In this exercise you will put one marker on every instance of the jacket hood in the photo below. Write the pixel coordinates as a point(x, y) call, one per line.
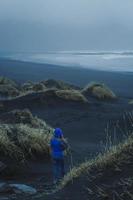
point(58, 133)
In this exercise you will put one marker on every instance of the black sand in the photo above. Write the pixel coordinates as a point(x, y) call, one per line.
point(83, 125)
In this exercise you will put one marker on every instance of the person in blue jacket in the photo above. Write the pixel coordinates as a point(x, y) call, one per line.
point(58, 145)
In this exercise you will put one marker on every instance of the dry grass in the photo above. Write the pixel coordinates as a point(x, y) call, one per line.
point(8, 87)
point(51, 95)
point(113, 158)
point(64, 90)
point(48, 84)
point(23, 116)
point(8, 90)
point(22, 135)
point(71, 95)
point(8, 148)
point(33, 87)
point(6, 81)
point(58, 84)
point(99, 91)
point(21, 141)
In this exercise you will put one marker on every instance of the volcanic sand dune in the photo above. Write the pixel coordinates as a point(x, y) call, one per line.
point(84, 125)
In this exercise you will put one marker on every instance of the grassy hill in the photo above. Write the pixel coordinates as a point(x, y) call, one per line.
point(23, 136)
point(106, 177)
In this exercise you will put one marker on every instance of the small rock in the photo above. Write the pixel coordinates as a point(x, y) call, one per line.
point(4, 198)
point(21, 188)
point(3, 186)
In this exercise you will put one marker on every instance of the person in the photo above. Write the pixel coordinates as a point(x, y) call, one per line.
point(58, 145)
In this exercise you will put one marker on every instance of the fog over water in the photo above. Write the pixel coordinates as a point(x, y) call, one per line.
point(70, 29)
point(51, 25)
point(108, 61)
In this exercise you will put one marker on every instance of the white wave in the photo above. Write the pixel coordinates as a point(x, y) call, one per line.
point(108, 60)
point(117, 56)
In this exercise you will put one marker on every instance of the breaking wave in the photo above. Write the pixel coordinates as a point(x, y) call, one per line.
point(101, 60)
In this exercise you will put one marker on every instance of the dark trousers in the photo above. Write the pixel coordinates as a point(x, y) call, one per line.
point(58, 169)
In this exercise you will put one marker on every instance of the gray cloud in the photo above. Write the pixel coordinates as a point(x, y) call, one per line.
point(40, 25)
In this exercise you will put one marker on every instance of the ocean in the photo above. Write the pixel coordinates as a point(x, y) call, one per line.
point(121, 61)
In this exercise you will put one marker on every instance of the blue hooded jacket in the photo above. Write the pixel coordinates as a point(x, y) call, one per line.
point(57, 145)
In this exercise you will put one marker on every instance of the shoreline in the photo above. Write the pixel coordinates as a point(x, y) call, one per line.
point(21, 72)
point(66, 66)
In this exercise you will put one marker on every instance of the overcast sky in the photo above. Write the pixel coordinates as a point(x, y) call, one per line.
point(46, 25)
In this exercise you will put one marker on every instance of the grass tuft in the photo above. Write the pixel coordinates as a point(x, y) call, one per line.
point(24, 136)
point(99, 90)
point(58, 84)
point(112, 158)
point(71, 95)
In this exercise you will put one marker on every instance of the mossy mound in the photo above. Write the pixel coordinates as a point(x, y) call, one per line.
point(107, 176)
point(8, 88)
point(7, 81)
point(51, 83)
point(22, 116)
point(33, 87)
point(71, 95)
point(22, 135)
point(100, 91)
point(8, 91)
point(51, 97)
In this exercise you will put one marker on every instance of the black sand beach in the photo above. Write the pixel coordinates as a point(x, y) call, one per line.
point(120, 82)
point(83, 125)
